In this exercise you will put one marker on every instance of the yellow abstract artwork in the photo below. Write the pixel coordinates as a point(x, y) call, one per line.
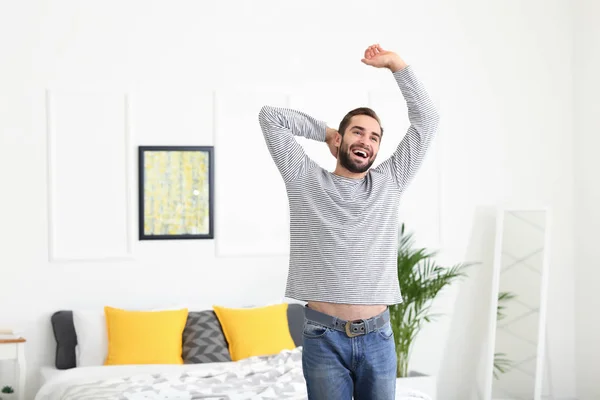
point(176, 193)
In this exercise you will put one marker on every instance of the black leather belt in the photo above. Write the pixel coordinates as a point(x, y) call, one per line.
point(350, 328)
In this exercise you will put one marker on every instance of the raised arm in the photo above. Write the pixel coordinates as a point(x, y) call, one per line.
point(422, 114)
point(279, 126)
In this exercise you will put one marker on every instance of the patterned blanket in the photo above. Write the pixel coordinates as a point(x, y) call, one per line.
point(272, 377)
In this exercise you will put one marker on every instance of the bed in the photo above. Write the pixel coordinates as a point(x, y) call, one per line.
point(276, 376)
point(271, 377)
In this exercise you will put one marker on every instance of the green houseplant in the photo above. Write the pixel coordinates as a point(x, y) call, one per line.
point(6, 392)
point(421, 280)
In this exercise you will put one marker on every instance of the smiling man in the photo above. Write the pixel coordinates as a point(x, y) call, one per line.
point(359, 142)
point(344, 235)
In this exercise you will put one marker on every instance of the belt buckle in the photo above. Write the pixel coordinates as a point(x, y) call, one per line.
point(351, 334)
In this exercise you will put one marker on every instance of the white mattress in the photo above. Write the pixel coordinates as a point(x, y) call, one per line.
point(48, 373)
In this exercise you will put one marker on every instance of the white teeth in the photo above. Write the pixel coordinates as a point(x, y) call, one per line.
point(360, 153)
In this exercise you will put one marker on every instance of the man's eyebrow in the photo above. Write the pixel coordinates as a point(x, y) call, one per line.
point(363, 129)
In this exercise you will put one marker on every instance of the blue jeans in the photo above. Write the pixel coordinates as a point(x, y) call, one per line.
point(339, 367)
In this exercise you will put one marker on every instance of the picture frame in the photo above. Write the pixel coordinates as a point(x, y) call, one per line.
point(176, 192)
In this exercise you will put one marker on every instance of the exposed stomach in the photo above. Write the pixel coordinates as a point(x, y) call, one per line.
point(348, 312)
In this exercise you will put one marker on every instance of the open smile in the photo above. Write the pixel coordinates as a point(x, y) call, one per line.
point(361, 153)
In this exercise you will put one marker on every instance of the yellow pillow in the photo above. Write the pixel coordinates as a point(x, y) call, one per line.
point(255, 331)
point(144, 337)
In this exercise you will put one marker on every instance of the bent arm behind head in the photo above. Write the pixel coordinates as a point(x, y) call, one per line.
point(279, 126)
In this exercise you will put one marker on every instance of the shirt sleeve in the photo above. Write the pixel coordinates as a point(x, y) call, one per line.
point(279, 126)
point(424, 120)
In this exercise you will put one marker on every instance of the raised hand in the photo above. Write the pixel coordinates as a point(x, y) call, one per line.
point(377, 57)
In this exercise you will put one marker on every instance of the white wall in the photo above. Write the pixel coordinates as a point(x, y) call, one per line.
point(587, 195)
point(511, 117)
point(158, 72)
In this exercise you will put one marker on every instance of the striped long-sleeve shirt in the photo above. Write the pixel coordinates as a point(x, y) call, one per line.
point(344, 231)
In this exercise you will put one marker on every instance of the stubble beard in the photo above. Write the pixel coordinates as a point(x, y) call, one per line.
point(347, 162)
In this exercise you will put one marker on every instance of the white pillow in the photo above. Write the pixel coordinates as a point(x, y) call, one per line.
point(92, 336)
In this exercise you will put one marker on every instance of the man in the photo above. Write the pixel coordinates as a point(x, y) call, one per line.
point(344, 235)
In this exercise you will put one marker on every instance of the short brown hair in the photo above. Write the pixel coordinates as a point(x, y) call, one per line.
point(358, 111)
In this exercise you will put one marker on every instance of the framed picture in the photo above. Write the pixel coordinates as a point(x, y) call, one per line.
point(176, 192)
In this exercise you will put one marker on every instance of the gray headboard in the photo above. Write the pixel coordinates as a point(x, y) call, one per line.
point(66, 337)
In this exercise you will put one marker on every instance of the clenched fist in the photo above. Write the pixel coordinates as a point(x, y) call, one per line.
point(377, 57)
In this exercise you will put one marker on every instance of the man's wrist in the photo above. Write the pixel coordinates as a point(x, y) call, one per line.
point(397, 65)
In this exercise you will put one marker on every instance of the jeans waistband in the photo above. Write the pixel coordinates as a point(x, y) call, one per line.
point(351, 328)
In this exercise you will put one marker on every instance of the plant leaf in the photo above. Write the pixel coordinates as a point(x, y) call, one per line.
point(421, 279)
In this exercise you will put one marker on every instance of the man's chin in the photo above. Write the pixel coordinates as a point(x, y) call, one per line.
point(353, 166)
point(358, 168)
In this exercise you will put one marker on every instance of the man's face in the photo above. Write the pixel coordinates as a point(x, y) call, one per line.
point(360, 144)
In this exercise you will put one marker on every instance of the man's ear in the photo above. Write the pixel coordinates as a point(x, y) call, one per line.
point(338, 139)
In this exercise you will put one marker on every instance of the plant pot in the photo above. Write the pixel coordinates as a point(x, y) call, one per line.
point(8, 396)
point(417, 382)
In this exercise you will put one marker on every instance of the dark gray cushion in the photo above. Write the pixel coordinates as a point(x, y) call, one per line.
point(203, 339)
point(194, 348)
point(295, 314)
point(66, 339)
